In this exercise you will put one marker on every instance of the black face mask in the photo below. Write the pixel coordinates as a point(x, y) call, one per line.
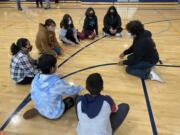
point(91, 15)
point(112, 13)
point(29, 49)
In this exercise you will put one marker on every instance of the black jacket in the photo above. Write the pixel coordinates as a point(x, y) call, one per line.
point(90, 25)
point(142, 49)
point(114, 22)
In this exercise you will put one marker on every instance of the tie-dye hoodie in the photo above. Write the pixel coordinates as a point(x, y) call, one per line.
point(46, 92)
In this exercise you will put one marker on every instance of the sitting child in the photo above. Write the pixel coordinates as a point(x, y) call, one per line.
point(47, 91)
point(98, 114)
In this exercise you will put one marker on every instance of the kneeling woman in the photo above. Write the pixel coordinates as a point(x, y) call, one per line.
point(23, 67)
point(67, 32)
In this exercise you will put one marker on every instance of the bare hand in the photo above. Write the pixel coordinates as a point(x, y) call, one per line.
point(122, 56)
point(120, 63)
point(90, 36)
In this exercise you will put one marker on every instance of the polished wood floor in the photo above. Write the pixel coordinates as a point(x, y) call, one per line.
point(164, 98)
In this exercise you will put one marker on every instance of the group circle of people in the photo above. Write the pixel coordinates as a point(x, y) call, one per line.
point(96, 113)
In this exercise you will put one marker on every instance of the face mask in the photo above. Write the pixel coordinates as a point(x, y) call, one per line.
point(52, 29)
point(56, 69)
point(91, 15)
point(111, 13)
point(29, 49)
point(69, 22)
point(129, 35)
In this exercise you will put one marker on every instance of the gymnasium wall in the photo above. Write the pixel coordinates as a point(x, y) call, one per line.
point(109, 0)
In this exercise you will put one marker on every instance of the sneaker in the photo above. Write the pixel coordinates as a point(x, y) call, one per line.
point(106, 34)
point(37, 6)
point(47, 8)
point(30, 114)
point(155, 77)
point(118, 35)
point(19, 8)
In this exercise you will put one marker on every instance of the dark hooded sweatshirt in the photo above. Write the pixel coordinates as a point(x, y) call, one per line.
point(142, 49)
point(90, 25)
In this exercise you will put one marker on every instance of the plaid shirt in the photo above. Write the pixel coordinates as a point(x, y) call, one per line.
point(22, 65)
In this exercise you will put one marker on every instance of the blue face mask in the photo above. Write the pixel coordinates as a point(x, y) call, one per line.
point(129, 35)
point(69, 22)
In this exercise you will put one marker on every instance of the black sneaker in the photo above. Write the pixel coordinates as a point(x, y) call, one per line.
point(47, 8)
point(20, 9)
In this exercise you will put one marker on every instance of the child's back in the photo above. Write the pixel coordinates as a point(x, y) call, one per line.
point(98, 114)
point(94, 115)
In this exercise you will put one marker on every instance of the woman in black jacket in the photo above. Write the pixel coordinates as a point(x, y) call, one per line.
point(112, 23)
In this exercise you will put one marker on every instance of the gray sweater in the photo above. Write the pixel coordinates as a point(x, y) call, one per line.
point(62, 34)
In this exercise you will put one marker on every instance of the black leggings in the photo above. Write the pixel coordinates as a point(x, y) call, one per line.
point(70, 36)
point(27, 80)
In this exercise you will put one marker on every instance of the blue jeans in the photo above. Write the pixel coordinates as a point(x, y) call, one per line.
point(139, 69)
point(18, 3)
point(57, 51)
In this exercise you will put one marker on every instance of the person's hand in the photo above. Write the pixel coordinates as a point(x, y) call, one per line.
point(122, 56)
point(89, 36)
point(111, 30)
point(120, 63)
point(115, 31)
point(77, 41)
point(72, 44)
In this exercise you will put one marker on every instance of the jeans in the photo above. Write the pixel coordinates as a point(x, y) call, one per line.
point(139, 69)
point(18, 3)
point(47, 3)
point(57, 51)
point(37, 2)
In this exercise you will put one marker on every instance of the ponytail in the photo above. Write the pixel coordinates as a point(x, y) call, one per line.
point(16, 47)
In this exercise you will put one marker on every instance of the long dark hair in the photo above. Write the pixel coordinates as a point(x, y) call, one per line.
point(48, 22)
point(87, 13)
point(64, 22)
point(16, 47)
point(115, 11)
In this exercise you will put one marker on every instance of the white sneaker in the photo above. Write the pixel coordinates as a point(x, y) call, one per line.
point(155, 77)
point(106, 34)
point(118, 35)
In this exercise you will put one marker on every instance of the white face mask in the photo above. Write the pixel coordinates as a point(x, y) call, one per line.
point(130, 35)
point(56, 69)
point(52, 29)
point(69, 22)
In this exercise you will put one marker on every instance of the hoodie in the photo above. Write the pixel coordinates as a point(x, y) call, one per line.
point(142, 49)
point(46, 41)
point(93, 114)
point(46, 92)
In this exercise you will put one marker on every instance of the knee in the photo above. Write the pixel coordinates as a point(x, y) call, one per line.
point(82, 35)
point(93, 35)
point(128, 69)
